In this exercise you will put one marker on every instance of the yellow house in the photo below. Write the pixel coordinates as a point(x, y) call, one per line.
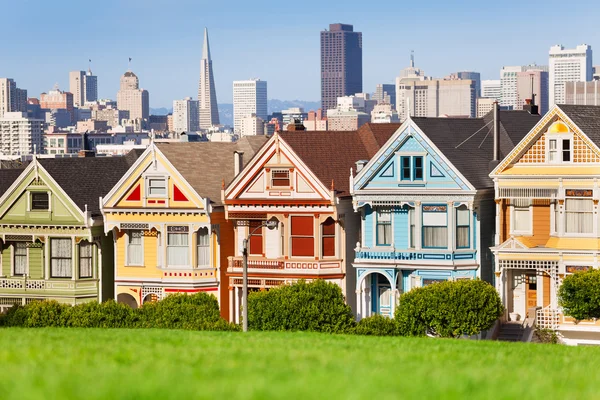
point(167, 221)
point(547, 218)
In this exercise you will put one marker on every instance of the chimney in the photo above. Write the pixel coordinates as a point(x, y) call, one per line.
point(496, 155)
point(360, 164)
point(238, 162)
point(85, 146)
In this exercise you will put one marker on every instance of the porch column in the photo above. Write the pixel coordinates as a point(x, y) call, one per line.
point(237, 306)
point(231, 304)
point(418, 223)
point(451, 225)
point(497, 234)
point(359, 303)
point(366, 301)
point(553, 294)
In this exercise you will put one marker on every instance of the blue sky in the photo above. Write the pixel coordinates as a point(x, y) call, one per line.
point(277, 41)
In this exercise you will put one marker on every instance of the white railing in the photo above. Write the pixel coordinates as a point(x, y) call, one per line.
point(22, 284)
point(547, 318)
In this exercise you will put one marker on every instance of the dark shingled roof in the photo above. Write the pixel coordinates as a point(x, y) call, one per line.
point(205, 165)
point(8, 176)
point(472, 156)
point(86, 179)
point(331, 154)
point(587, 118)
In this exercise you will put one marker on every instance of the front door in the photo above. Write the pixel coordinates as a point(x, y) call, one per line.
point(531, 291)
point(382, 295)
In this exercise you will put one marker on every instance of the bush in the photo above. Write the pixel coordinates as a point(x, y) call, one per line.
point(449, 309)
point(579, 295)
point(377, 325)
point(547, 336)
point(316, 306)
point(37, 314)
point(199, 311)
point(109, 314)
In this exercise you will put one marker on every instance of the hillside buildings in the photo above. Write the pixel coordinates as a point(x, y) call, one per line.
point(249, 97)
point(207, 95)
point(341, 64)
point(132, 99)
point(315, 121)
point(568, 65)
point(84, 87)
point(20, 135)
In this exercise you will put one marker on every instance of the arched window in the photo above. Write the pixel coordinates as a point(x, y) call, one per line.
point(203, 253)
point(328, 238)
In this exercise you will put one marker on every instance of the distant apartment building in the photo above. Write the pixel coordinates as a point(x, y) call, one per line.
point(508, 82)
point(596, 73)
point(20, 135)
point(385, 93)
point(491, 89)
point(92, 126)
point(58, 117)
point(583, 93)
point(292, 114)
point(568, 65)
point(435, 97)
point(133, 99)
point(159, 123)
point(111, 115)
point(532, 85)
point(485, 105)
point(57, 99)
point(474, 76)
point(349, 115)
point(249, 97)
point(384, 113)
point(252, 125)
point(185, 115)
point(12, 98)
point(84, 87)
point(315, 121)
point(341, 63)
point(369, 103)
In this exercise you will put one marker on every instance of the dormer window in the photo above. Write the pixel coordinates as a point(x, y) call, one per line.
point(280, 178)
point(40, 201)
point(157, 186)
point(559, 143)
point(411, 168)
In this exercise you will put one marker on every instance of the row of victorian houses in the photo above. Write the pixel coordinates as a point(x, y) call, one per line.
point(510, 198)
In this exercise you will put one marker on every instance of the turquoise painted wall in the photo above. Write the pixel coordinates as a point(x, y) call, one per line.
point(368, 226)
point(400, 225)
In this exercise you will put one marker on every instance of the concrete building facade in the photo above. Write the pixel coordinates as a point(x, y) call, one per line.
point(249, 97)
point(12, 99)
point(84, 87)
point(133, 99)
point(185, 115)
point(532, 82)
point(57, 99)
point(568, 65)
point(583, 93)
point(491, 88)
point(20, 135)
point(385, 93)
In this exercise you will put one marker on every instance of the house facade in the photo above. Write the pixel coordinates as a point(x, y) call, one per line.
point(547, 197)
point(51, 237)
point(301, 180)
point(168, 232)
point(426, 206)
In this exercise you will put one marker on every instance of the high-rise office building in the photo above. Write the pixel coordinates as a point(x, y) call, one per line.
point(249, 97)
point(385, 93)
point(491, 89)
point(20, 135)
point(12, 99)
point(474, 76)
point(568, 65)
point(341, 64)
point(583, 93)
point(185, 115)
point(57, 99)
point(133, 99)
point(207, 95)
point(532, 83)
point(84, 87)
point(508, 83)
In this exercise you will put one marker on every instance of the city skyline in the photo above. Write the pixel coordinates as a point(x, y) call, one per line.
point(247, 47)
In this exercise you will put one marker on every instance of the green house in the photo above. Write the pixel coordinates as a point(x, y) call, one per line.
point(52, 242)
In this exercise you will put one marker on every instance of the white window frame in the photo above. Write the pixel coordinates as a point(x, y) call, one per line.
point(127, 234)
point(412, 239)
point(375, 219)
point(559, 137)
point(398, 171)
point(13, 251)
point(289, 173)
point(208, 235)
point(528, 232)
point(164, 178)
point(187, 247)
point(564, 218)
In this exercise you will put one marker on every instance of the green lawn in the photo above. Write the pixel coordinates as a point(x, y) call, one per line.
point(162, 364)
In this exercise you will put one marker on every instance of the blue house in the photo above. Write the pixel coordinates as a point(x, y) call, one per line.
point(427, 205)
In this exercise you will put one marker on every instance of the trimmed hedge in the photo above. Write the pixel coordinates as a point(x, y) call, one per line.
point(178, 311)
point(317, 306)
point(377, 325)
point(449, 309)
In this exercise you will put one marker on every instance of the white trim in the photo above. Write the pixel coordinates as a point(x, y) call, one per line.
point(126, 261)
point(512, 221)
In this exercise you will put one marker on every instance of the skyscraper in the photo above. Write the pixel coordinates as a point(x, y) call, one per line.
point(341, 64)
point(249, 97)
point(207, 95)
point(84, 87)
point(12, 99)
point(568, 65)
point(90, 86)
point(385, 93)
point(133, 99)
point(508, 83)
point(185, 115)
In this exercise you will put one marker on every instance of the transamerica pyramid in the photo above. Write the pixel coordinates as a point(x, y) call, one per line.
point(207, 96)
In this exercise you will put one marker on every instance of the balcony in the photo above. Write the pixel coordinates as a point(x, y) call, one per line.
point(20, 285)
point(413, 256)
point(286, 266)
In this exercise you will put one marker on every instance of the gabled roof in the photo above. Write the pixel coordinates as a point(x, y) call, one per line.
point(331, 154)
point(8, 176)
point(86, 179)
point(205, 165)
point(468, 143)
point(587, 118)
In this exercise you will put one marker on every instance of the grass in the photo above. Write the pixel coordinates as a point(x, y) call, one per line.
point(163, 364)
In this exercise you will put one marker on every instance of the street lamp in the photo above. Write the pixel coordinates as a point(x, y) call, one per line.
point(270, 224)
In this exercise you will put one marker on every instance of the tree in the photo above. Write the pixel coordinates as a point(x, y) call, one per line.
point(579, 295)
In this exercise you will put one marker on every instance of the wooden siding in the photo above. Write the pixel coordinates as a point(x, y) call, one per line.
point(504, 221)
point(36, 265)
point(541, 222)
point(546, 279)
point(227, 248)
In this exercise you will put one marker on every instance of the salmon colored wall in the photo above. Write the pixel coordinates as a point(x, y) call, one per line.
point(504, 220)
point(227, 249)
point(541, 222)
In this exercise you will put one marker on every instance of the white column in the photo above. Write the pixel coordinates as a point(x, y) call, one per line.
point(450, 223)
point(418, 236)
point(367, 304)
point(359, 302)
point(497, 235)
point(231, 303)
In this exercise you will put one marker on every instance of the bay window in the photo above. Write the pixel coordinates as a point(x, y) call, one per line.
point(328, 238)
point(463, 226)
point(20, 258)
point(384, 227)
point(521, 216)
point(85, 259)
point(61, 258)
point(178, 254)
point(411, 226)
point(435, 226)
point(203, 248)
point(302, 236)
point(135, 251)
point(579, 216)
point(256, 240)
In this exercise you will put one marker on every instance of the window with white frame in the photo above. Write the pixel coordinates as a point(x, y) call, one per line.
point(203, 248)
point(463, 227)
point(20, 258)
point(559, 149)
point(40, 201)
point(157, 186)
point(85, 259)
point(280, 178)
point(579, 216)
point(177, 246)
point(135, 250)
point(411, 226)
point(61, 258)
point(556, 216)
point(435, 226)
point(384, 226)
point(521, 216)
